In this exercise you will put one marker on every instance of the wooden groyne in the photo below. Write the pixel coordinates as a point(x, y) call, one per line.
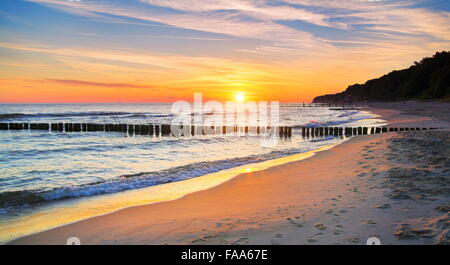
point(350, 131)
point(165, 130)
point(331, 106)
point(155, 130)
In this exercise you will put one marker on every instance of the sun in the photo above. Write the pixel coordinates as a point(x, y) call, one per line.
point(239, 97)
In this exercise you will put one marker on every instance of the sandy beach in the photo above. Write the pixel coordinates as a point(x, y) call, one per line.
point(395, 186)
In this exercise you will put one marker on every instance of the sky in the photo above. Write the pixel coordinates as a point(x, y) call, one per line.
point(70, 51)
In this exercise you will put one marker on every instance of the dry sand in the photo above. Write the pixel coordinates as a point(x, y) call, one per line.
point(394, 185)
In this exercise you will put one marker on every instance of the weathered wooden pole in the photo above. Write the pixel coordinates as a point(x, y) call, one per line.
point(151, 130)
point(144, 129)
point(130, 129)
point(77, 127)
point(365, 130)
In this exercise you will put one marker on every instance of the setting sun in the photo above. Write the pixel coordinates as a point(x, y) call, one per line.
point(239, 97)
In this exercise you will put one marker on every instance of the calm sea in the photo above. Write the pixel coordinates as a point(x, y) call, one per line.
point(37, 167)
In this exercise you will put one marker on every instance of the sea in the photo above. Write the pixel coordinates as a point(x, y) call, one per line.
point(45, 175)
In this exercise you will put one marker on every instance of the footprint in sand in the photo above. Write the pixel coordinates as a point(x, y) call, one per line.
point(279, 235)
point(320, 226)
point(203, 239)
point(297, 222)
point(383, 206)
point(240, 241)
point(311, 239)
point(337, 232)
point(353, 239)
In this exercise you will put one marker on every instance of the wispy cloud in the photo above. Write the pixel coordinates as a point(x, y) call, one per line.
point(96, 84)
point(296, 45)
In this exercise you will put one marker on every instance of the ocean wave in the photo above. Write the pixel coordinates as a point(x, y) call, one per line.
point(133, 181)
point(7, 116)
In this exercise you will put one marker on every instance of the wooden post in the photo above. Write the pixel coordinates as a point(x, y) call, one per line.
point(346, 131)
point(144, 129)
point(123, 128)
point(130, 129)
point(151, 130)
point(77, 127)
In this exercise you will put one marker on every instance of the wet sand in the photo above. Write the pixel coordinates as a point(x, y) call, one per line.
point(395, 186)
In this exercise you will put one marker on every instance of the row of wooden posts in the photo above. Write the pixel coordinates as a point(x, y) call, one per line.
point(324, 131)
point(320, 105)
point(188, 130)
point(149, 129)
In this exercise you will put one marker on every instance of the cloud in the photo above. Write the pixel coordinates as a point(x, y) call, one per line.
point(259, 19)
point(96, 84)
point(233, 23)
point(293, 43)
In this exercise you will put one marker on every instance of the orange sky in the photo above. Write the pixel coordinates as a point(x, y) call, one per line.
point(103, 51)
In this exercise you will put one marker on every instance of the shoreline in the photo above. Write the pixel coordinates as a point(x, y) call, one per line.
point(73, 210)
point(259, 205)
